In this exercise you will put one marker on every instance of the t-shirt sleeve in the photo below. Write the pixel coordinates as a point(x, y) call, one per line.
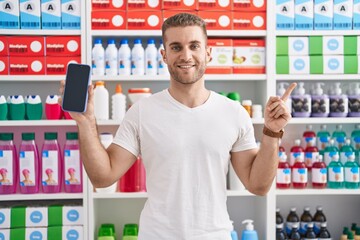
point(127, 135)
point(246, 138)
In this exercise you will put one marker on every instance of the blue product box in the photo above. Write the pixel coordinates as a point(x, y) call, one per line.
point(30, 12)
point(70, 14)
point(285, 15)
point(9, 14)
point(343, 14)
point(304, 14)
point(323, 14)
point(51, 14)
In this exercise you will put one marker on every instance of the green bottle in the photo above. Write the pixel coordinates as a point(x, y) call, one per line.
point(33, 107)
point(335, 172)
point(346, 152)
point(330, 151)
point(352, 174)
point(3, 108)
point(106, 232)
point(355, 139)
point(130, 231)
point(339, 136)
point(323, 138)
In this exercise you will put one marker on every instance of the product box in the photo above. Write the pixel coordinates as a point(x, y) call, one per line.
point(63, 46)
point(5, 214)
point(168, 13)
point(343, 14)
point(143, 5)
point(292, 64)
point(217, 20)
point(4, 65)
point(57, 65)
point(4, 234)
point(4, 48)
point(26, 45)
point(108, 5)
point(65, 215)
point(36, 217)
point(108, 20)
point(248, 56)
point(51, 14)
point(70, 14)
point(333, 64)
point(249, 5)
point(304, 14)
point(27, 66)
point(333, 45)
point(65, 233)
point(144, 20)
point(285, 14)
point(9, 14)
point(219, 5)
point(222, 54)
point(30, 12)
point(179, 5)
point(356, 15)
point(292, 46)
point(351, 64)
point(323, 14)
point(249, 20)
point(28, 233)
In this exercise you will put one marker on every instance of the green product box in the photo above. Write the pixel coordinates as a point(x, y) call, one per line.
point(59, 215)
point(351, 45)
point(282, 46)
point(282, 64)
point(28, 233)
point(65, 233)
point(316, 65)
point(315, 45)
point(17, 218)
point(351, 64)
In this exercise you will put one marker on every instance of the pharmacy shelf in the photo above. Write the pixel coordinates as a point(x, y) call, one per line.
point(155, 33)
point(39, 32)
point(314, 192)
point(32, 123)
point(317, 77)
point(32, 78)
point(41, 196)
point(328, 120)
point(318, 33)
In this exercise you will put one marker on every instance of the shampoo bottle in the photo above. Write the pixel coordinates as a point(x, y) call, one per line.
point(34, 107)
point(249, 233)
point(3, 108)
point(320, 106)
point(301, 102)
point(234, 235)
point(354, 100)
point(338, 102)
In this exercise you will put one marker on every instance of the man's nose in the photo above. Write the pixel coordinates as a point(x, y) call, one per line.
point(186, 54)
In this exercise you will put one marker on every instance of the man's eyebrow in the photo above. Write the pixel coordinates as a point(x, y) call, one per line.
point(191, 42)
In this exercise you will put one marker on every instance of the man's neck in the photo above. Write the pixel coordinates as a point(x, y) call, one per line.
point(190, 95)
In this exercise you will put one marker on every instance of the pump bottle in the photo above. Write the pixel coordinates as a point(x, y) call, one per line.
point(301, 102)
point(338, 102)
point(234, 235)
point(281, 90)
point(320, 103)
point(354, 100)
point(249, 233)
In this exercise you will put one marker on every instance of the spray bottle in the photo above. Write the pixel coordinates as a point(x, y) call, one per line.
point(249, 233)
point(338, 102)
point(301, 102)
point(354, 100)
point(320, 104)
point(281, 90)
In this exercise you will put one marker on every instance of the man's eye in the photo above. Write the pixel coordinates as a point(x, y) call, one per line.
point(175, 48)
point(195, 46)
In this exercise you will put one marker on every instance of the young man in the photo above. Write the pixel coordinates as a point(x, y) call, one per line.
point(186, 136)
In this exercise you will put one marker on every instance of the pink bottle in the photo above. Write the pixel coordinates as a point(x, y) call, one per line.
point(8, 164)
point(283, 174)
point(296, 153)
point(51, 164)
point(134, 179)
point(72, 164)
point(299, 174)
point(29, 164)
point(311, 154)
point(52, 108)
point(319, 173)
point(308, 135)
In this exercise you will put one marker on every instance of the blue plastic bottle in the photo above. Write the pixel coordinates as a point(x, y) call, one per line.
point(249, 233)
point(234, 235)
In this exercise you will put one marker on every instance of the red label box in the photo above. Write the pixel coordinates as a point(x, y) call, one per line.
point(249, 5)
point(223, 5)
point(180, 4)
point(26, 65)
point(26, 45)
point(58, 65)
point(248, 56)
point(168, 13)
point(144, 5)
point(249, 20)
point(144, 20)
point(4, 48)
point(108, 5)
point(4, 65)
point(108, 20)
point(217, 20)
point(63, 46)
point(222, 54)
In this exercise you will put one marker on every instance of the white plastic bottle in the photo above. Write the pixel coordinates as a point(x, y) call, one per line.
point(162, 66)
point(111, 54)
point(118, 104)
point(151, 58)
point(338, 102)
point(124, 58)
point(301, 102)
point(137, 58)
point(98, 58)
point(101, 101)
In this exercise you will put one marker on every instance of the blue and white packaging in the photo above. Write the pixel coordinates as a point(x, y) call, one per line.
point(72, 232)
point(9, 14)
point(333, 45)
point(70, 14)
point(73, 215)
point(299, 65)
point(36, 217)
point(285, 15)
point(333, 64)
point(343, 14)
point(5, 234)
point(36, 233)
point(30, 12)
point(356, 14)
point(298, 46)
point(51, 14)
point(304, 14)
point(323, 14)
point(5, 214)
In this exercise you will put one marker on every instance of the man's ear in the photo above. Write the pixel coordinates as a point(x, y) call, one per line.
point(208, 54)
point(163, 54)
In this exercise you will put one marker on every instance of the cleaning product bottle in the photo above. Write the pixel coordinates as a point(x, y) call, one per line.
point(324, 232)
point(280, 92)
point(320, 103)
point(350, 236)
point(33, 107)
point(292, 220)
point(249, 233)
point(296, 153)
point(355, 139)
point(322, 139)
point(294, 234)
point(98, 59)
point(8, 164)
point(301, 102)
point(130, 231)
point(318, 219)
point(283, 174)
point(354, 100)
point(299, 173)
point(305, 220)
point(72, 164)
point(124, 57)
point(353, 228)
point(346, 151)
point(310, 234)
point(352, 174)
point(336, 173)
point(344, 233)
point(3, 108)
point(308, 136)
point(338, 102)
point(52, 107)
point(311, 154)
point(118, 104)
point(101, 101)
point(162, 66)
point(51, 164)
point(29, 164)
point(151, 58)
point(233, 233)
point(280, 234)
point(319, 173)
point(111, 54)
point(137, 58)
point(330, 152)
point(339, 136)
point(279, 218)
point(17, 108)
point(357, 233)
point(106, 232)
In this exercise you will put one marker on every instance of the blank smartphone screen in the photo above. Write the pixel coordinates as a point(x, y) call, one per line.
point(76, 87)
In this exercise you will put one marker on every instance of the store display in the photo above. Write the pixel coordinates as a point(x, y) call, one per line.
point(8, 164)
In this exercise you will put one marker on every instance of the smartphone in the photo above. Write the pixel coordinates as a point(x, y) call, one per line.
point(76, 88)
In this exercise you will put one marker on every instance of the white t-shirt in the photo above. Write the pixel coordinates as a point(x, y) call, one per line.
point(186, 152)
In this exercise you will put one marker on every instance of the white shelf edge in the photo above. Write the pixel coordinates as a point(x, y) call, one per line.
point(307, 191)
point(328, 120)
point(30, 123)
point(318, 77)
point(40, 32)
point(41, 196)
point(317, 32)
point(32, 78)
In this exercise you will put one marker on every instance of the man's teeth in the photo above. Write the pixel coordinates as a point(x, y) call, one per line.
point(187, 66)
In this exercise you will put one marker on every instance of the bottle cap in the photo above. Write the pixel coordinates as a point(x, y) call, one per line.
point(293, 209)
point(246, 102)
point(28, 136)
point(99, 83)
point(319, 208)
point(124, 41)
point(118, 88)
point(98, 41)
point(345, 230)
point(71, 136)
point(151, 41)
point(339, 127)
point(301, 89)
point(234, 96)
point(137, 41)
point(281, 88)
point(323, 127)
point(350, 235)
point(50, 135)
point(306, 208)
point(309, 127)
point(297, 142)
point(6, 136)
point(130, 229)
point(318, 90)
point(337, 90)
point(249, 224)
point(111, 41)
